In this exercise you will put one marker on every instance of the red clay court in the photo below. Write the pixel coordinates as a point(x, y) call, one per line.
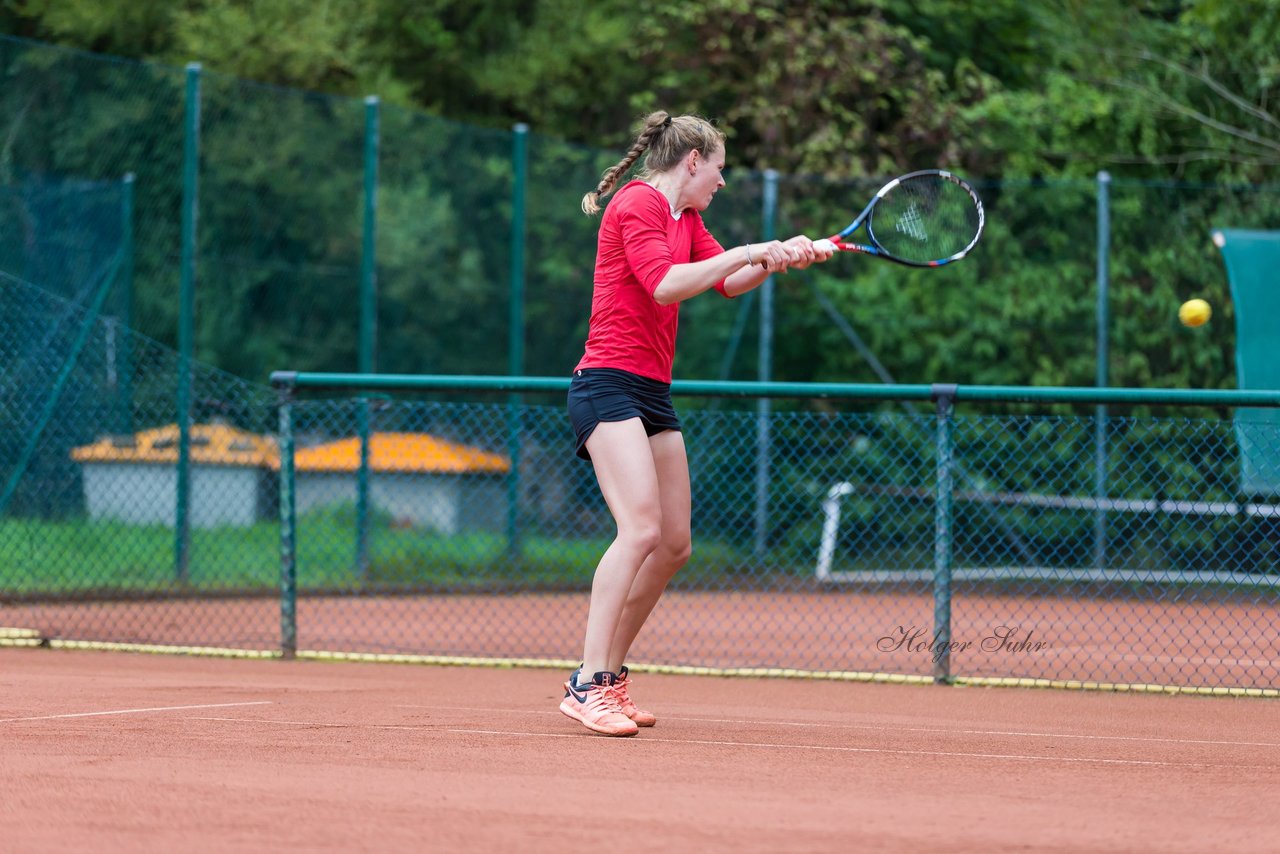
point(132, 752)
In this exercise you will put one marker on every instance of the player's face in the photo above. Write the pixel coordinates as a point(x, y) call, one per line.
point(707, 178)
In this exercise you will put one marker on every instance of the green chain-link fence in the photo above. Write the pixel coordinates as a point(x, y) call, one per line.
point(140, 485)
point(935, 540)
point(841, 538)
point(80, 533)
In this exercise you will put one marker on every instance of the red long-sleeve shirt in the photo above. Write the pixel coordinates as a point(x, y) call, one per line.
point(640, 238)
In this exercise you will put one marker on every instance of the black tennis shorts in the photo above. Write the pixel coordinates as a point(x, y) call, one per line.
point(608, 394)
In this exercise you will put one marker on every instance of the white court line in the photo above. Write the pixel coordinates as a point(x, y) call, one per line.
point(306, 723)
point(882, 728)
point(762, 745)
point(997, 732)
point(889, 750)
point(134, 711)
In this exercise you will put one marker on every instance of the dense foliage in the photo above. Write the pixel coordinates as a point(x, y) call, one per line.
point(1175, 98)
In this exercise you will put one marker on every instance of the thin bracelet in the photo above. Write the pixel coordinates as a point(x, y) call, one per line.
point(750, 263)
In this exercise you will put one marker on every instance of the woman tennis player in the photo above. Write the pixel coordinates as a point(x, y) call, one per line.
point(653, 252)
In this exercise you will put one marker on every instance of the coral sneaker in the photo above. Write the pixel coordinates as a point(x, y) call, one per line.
point(629, 708)
point(597, 706)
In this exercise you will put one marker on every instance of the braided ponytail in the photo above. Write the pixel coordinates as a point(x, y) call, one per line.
point(654, 125)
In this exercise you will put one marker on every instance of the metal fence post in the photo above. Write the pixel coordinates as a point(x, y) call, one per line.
point(288, 526)
point(944, 396)
point(515, 332)
point(186, 322)
point(1103, 356)
point(368, 325)
point(765, 371)
point(124, 370)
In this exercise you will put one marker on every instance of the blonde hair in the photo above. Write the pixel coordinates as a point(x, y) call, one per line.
point(664, 140)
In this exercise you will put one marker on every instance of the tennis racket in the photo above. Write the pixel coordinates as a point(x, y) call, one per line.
point(923, 219)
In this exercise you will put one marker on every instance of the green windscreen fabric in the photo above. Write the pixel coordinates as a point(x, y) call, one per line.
point(1253, 270)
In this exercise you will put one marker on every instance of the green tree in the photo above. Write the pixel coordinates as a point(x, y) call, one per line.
point(1156, 90)
point(1030, 99)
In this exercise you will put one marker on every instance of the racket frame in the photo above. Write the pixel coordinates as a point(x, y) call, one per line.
point(874, 248)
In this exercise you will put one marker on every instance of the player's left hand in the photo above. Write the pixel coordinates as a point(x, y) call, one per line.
point(804, 252)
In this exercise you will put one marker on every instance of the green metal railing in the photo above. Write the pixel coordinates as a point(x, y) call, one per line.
point(948, 469)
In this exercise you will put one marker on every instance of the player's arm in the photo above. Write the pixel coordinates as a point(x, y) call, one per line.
point(738, 267)
point(799, 252)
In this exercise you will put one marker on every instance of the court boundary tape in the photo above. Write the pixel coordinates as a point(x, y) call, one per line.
point(17, 637)
point(1111, 687)
point(32, 638)
point(27, 637)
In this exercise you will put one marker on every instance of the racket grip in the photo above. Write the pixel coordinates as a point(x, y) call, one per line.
point(824, 245)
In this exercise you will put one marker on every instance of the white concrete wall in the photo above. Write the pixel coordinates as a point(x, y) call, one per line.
point(444, 503)
point(147, 494)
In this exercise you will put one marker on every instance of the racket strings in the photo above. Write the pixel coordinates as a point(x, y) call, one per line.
point(924, 219)
point(912, 224)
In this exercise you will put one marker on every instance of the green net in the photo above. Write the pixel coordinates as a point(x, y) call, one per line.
point(1253, 260)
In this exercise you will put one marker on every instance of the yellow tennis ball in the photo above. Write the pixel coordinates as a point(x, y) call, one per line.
point(1194, 312)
